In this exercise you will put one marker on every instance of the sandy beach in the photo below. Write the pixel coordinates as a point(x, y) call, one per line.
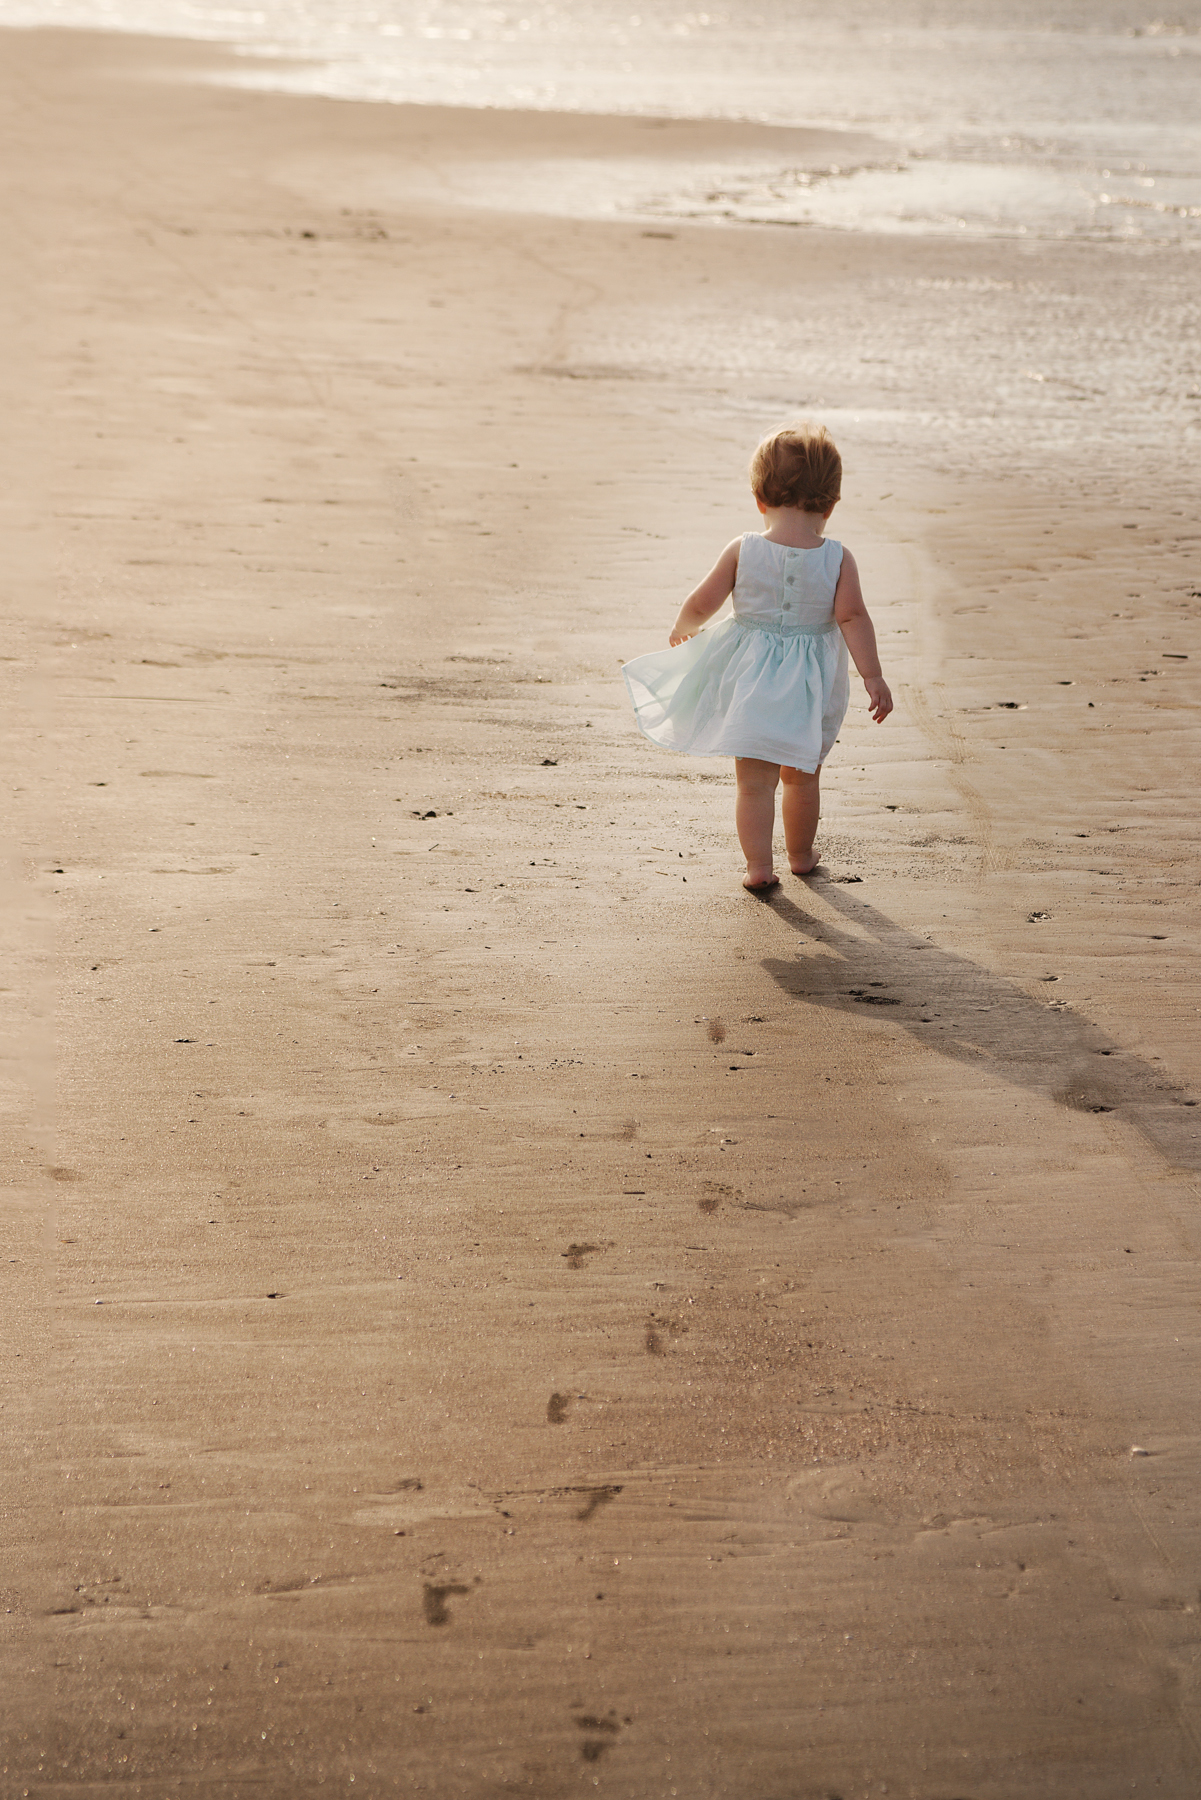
point(492, 1307)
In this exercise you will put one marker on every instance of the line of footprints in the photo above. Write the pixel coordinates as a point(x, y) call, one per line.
point(599, 1732)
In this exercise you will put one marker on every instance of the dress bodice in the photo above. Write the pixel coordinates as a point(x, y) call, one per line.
point(786, 590)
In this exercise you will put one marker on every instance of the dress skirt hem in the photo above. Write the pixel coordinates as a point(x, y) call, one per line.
point(743, 689)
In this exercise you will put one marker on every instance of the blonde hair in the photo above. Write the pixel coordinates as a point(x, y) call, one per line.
point(798, 466)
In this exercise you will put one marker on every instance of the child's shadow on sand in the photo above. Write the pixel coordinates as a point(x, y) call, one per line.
point(951, 1005)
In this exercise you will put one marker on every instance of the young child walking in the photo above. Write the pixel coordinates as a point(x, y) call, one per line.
point(769, 686)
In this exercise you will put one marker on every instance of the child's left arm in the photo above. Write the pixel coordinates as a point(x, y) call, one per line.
point(855, 624)
point(709, 597)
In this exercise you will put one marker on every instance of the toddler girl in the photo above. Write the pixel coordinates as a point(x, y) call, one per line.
point(769, 686)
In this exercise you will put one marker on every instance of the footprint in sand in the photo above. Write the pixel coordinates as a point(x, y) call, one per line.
point(595, 1498)
point(434, 1596)
point(601, 1731)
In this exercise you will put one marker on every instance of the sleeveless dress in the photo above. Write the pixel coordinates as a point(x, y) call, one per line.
point(771, 682)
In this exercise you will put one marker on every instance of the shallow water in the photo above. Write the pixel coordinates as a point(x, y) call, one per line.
point(912, 194)
point(1075, 126)
point(1079, 120)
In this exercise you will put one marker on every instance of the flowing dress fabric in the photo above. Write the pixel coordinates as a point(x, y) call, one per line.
point(771, 682)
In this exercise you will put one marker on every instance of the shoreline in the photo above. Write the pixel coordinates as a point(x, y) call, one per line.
point(507, 1307)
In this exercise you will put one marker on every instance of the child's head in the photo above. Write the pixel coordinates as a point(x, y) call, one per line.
point(798, 466)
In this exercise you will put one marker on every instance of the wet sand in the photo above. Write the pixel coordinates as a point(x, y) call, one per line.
point(493, 1308)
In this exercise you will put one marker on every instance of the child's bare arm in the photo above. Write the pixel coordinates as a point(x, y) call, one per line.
point(855, 624)
point(709, 597)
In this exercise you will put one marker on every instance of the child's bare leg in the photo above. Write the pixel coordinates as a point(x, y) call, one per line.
point(800, 806)
point(755, 817)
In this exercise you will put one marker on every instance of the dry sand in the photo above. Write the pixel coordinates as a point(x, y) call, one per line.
point(492, 1307)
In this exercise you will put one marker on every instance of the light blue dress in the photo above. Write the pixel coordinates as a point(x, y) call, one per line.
point(771, 682)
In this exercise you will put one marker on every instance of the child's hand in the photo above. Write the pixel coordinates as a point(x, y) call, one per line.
point(679, 637)
point(878, 697)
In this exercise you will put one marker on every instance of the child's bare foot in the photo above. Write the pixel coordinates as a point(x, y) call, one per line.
point(757, 879)
point(805, 865)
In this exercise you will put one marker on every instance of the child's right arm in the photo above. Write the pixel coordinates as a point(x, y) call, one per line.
point(855, 624)
point(709, 597)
